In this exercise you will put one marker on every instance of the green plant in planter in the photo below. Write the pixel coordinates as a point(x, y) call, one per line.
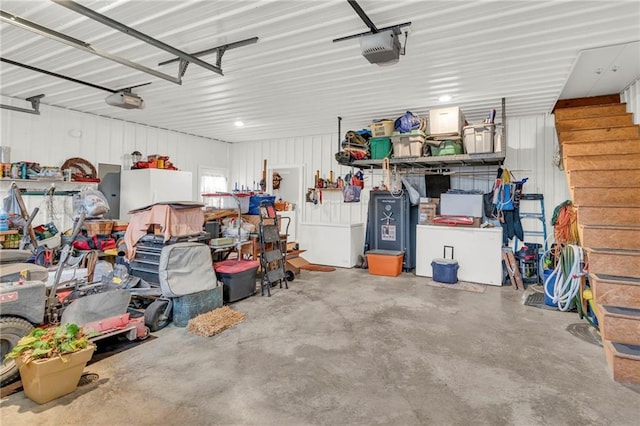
point(49, 343)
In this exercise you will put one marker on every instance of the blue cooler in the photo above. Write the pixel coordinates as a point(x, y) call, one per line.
point(255, 200)
point(445, 270)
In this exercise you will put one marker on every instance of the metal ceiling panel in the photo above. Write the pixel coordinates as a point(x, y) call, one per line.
point(295, 81)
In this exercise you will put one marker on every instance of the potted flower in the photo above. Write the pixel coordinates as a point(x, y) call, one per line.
point(51, 361)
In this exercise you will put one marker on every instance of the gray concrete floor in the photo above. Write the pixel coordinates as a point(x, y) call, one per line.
point(347, 347)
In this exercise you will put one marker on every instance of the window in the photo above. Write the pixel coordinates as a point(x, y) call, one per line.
point(212, 180)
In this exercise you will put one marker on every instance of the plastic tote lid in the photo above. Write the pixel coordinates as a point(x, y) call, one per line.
point(445, 261)
point(386, 252)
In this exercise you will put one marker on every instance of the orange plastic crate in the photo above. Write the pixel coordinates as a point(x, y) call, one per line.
point(385, 262)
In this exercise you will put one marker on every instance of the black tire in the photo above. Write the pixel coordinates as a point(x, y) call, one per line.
point(12, 329)
point(153, 314)
point(290, 275)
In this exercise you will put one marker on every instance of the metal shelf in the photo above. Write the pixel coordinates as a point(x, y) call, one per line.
point(491, 158)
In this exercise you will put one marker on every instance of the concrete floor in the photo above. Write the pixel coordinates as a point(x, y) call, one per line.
point(349, 348)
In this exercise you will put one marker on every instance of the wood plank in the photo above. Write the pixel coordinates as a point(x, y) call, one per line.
point(620, 325)
point(620, 215)
point(621, 263)
point(590, 111)
point(595, 122)
point(603, 162)
point(604, 178)
point(622, 362)
point(623, 146)
point(608, 215)
point(613, 98)
point(615, 291)
point(603, 134)
point(606, 196)
point(612, 237)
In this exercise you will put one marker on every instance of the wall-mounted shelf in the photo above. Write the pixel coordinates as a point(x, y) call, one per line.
point(491, 158)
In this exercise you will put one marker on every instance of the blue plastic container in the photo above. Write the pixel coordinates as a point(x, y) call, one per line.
point(445, 270)
point(548, 287)
point(4, 220)
point(255, 200)
point(191, 305)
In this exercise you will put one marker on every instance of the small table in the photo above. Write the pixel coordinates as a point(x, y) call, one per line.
point(226, 249)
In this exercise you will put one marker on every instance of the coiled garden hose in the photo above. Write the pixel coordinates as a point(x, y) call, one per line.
point(566, 278)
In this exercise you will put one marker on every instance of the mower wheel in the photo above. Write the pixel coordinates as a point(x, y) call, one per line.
point(289, 275)
point(12, 329)
point(154, 317)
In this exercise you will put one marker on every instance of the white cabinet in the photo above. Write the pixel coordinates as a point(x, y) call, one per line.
point(139, 188)
point(477, 250)
point(332, 244)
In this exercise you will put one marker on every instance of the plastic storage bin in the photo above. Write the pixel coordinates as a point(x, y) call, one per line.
point(479, 139)
point(226, 201)
point(385, 262)
point(380, 148)
point(448, 147)
point(238, 278)
point(191, 305)
point(408, 144)
point(443, 121)
point(381, 129)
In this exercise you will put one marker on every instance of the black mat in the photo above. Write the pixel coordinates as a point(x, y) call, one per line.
point(536, 299)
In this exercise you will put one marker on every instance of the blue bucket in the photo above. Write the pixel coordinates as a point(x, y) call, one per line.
point(548, 287)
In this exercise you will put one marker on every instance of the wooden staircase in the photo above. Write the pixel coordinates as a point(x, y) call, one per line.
point(601, 155)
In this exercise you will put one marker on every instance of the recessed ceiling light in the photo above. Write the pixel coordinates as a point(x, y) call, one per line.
point(239, 123)
point(444, 98)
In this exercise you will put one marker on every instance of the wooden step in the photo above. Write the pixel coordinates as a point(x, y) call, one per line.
point(603, 134)
point(625, 146)
point(602, 162)
point(598, 122)
point(623, 361)
point(621, 263)
point(604, 178)
point(612, 98)
point(606, 196)
point(608, 215)
point(611, 237)
point(601, 110)
point(615, 291)
point(620, 325)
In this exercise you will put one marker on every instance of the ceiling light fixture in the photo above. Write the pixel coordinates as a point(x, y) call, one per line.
point(444, 98)
point(239, 123)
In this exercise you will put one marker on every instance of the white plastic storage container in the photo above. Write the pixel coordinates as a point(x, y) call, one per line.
point(445, 121)
point(479, 138)
point(453, 204)
point(222, 201)
point(409, 145)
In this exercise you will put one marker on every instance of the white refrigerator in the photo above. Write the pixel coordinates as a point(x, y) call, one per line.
point(141, 187)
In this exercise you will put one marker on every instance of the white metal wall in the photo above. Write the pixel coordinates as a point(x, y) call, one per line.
point(58, 134)
point(631, 95)
point(531, 142)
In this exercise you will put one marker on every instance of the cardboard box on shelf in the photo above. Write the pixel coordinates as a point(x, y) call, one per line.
point(427, 210)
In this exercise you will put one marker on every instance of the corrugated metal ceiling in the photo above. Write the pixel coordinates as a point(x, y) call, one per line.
point(295, 80)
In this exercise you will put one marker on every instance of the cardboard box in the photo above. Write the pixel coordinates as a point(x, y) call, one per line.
point(427, 210)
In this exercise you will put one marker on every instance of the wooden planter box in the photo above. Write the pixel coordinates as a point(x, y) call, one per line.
point(47, 379)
